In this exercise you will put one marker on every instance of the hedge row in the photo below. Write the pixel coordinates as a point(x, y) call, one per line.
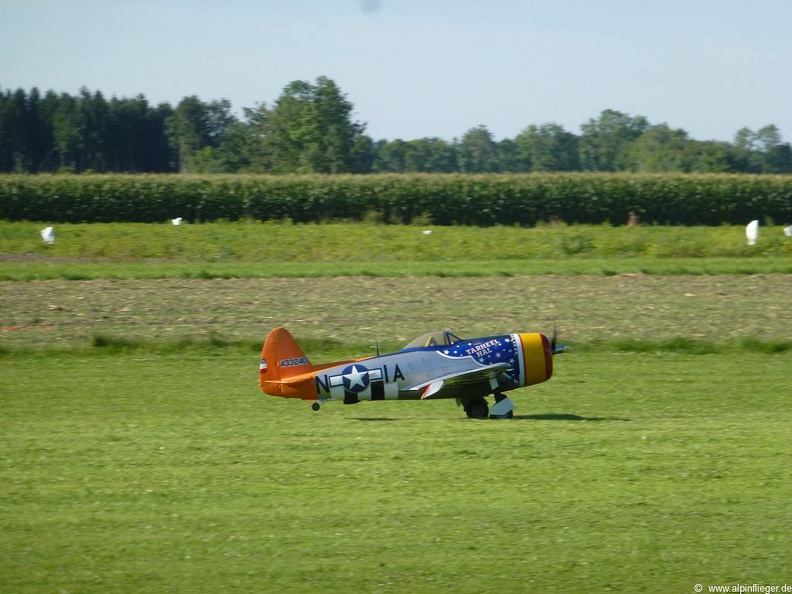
point(523, 199)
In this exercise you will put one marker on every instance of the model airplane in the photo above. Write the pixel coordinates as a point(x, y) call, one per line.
point(433, 366)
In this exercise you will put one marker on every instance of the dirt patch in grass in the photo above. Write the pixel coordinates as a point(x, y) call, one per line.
point(357, 310)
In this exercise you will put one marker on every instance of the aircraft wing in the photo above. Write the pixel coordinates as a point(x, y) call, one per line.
point(434, 387)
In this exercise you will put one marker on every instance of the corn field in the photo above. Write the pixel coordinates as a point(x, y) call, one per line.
point(439, 199)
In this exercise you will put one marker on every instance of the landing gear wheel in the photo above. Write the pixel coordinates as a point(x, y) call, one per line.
point(315, 406)
point(477, 409)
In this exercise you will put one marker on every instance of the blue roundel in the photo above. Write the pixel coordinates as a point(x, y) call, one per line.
point(356, 378)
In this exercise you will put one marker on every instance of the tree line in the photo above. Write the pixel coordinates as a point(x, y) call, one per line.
point(310, 129)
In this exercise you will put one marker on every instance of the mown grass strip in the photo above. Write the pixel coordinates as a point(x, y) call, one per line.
point(15, 271)
point(324, 349)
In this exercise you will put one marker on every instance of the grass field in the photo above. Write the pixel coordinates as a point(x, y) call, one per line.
point(345, 242)
point(284, 250)
point(252, 250)
point(170, 473)
point(138, 454)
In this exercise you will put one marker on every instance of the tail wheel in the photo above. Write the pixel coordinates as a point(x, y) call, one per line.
point(477, 409)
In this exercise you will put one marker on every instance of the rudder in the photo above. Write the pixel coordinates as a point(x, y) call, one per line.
point(281, 357)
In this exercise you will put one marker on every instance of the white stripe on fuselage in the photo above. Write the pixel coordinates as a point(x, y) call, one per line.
point(520, 358)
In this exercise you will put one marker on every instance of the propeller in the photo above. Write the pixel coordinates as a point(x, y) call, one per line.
point(556, 348)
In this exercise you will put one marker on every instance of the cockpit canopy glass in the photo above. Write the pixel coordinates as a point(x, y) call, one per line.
point(439, 338)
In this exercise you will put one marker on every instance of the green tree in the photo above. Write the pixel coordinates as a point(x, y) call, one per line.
point(605, 141)
point(204, 160)
point(233, 153)
point(478, 151)
point(776, 155)
point(363, 154)
point(66, 130)
point(26, 131)
point(16, 131)
point(390, 156)
point(195, 125)
point(660, 149)
point(335, 127)
point(746, 151)
point(310, 130)
point(40, 112)
point(547, 148)
point(185, 129)
point(290, 136)
point(779, 159)
point(6, 161)
point(762, 151)
point(93, 115)
point(257, 153)
point(509, 157)
point(155, 151)
point(710, 156)
point(125, 125)
point(429, 155)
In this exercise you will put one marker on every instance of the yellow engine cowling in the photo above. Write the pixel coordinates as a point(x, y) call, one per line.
point(537, 359)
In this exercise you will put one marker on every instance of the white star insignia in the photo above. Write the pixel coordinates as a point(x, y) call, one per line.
point(355, 377)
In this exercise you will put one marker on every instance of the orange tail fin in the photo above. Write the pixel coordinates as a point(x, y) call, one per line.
point(281, 357)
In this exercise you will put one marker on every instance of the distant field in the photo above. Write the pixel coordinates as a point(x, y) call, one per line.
point(239, 250)
point(358, 312)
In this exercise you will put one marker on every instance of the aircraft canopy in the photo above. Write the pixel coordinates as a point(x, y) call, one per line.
point(439, 338)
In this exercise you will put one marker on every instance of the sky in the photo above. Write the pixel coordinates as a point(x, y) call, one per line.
point(425, 68)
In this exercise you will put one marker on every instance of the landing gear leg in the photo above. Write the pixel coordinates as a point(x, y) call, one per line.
point(503, 409)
